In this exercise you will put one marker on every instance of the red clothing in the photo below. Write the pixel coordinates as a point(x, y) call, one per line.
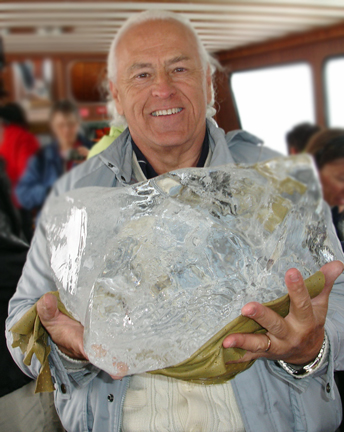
point(17, 147)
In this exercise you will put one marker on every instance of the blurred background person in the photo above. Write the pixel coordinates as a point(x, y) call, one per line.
point(68, 148)
point(17, 145)
point(298, 137)
point(20, 408)
point(327, 148)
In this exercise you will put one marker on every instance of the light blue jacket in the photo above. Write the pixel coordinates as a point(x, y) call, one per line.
point(269, 399)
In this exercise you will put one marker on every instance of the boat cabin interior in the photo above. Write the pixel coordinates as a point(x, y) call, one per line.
point(282, 59)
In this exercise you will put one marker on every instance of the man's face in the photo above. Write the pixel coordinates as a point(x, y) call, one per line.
point(161, 86)
point(65, 127)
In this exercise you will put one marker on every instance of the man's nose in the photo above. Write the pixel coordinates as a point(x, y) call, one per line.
point(163, 86)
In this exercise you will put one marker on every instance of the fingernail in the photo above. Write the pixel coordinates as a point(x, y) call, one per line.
point(230, 344)
point(250, 312)
point(294, 277)
point(44, 303)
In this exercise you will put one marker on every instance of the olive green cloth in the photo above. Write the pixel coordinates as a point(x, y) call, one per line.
point(208, 365)
point(31, 337)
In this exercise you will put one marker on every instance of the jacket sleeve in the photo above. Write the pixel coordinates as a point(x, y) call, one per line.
point(36, 280)
point(31, 190)
point(334, 327)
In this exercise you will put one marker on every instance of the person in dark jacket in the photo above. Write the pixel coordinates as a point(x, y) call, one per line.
point(327, 148)
point(20, 408)
point(68, 149)
point(12, 258)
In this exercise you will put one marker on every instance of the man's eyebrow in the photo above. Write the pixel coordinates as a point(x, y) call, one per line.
point(176, 60)
point(136, 66)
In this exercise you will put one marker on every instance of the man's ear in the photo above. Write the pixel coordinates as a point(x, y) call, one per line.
point(116, 97)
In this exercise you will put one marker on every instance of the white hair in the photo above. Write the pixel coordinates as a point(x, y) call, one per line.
point(206, 59)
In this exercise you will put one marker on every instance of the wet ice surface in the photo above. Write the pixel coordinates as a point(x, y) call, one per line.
point(154, 270)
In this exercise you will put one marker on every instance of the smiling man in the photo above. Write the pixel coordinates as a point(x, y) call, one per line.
point(162, 89)
point(160, 80)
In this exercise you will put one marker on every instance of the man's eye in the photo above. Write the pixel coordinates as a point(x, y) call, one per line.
point(180, 69)
point(142, 75)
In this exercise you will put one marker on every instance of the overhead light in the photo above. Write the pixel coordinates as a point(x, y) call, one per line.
point(41, 31)
point(49, 31)
point(56, 31)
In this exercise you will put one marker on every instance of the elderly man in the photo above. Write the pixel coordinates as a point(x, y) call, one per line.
point(160, 80)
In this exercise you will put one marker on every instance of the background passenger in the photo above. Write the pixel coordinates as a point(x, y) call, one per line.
point(17, 145)
point(20, 408)
point(298, 137)
point(327, 147)
point(68, 149)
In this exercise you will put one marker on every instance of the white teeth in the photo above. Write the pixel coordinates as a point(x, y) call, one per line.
point(166, 112)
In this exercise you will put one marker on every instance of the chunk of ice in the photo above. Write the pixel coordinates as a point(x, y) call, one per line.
point(155, 269)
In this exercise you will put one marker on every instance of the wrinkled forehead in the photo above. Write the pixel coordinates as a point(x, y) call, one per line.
point(161, 38)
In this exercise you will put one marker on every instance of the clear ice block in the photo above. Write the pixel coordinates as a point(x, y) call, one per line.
point(155, 269)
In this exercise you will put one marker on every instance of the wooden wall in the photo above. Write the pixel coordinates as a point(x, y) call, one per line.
point(313, 47)
point(69, 71)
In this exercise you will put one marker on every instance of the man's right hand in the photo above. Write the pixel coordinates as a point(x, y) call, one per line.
point(67, 334)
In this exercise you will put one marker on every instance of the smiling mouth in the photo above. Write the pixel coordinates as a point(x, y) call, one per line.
point(166, 112)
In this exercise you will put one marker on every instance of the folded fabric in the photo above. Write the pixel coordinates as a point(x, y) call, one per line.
point(32, 338)
point(208, 365)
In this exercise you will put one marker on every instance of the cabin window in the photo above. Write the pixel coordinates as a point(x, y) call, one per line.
point(271, 101)
point(334, 73)
point(32, 85)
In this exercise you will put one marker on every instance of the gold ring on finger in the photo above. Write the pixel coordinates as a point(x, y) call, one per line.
point(269, 343)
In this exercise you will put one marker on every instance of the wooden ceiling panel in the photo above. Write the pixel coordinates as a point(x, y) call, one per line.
point(60, 26)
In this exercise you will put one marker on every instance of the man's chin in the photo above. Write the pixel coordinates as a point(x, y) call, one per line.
point(168, 138)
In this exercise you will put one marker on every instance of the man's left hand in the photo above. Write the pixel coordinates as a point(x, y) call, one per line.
point(297, 338)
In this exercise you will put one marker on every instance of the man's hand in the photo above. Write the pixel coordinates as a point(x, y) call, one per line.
point(67, 334)
point(298, 337)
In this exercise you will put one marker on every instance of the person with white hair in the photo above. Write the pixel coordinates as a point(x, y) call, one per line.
point(160, 78)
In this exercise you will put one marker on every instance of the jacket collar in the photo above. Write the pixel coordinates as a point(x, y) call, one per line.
point(118, 156)
point(218, 145)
